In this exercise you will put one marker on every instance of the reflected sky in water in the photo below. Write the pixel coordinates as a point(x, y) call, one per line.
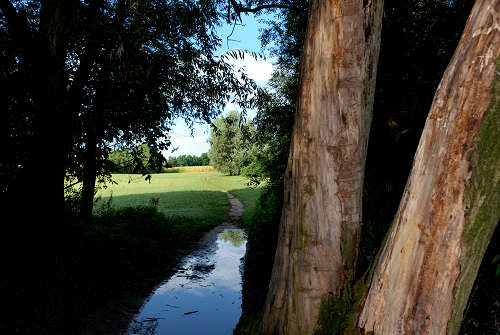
point(203, 297)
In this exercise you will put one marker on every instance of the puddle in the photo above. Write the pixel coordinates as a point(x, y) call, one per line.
point(203, 296)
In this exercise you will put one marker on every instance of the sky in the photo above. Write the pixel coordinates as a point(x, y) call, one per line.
point(244, 37)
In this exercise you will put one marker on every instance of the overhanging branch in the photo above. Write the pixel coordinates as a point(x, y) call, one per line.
point(238, 8)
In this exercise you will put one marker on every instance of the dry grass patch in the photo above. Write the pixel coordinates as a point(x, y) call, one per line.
point(184, 169)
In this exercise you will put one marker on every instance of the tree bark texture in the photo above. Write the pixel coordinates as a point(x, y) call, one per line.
point(451, 204)
point(321, 218)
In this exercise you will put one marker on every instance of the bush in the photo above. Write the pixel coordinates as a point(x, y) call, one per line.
point(117, 251)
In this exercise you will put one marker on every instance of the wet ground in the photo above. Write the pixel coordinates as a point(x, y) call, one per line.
point(204, 294)
point(199, 295)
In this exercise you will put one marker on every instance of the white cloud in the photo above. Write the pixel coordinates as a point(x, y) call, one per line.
point(259, 70)
point(188, 144)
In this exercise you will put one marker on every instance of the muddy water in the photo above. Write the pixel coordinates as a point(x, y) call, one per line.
point(200, 289)
point(204, 295)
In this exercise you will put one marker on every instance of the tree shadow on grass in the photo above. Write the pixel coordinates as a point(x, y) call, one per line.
point(202, 206)
point(96, 266)
point(206, 206)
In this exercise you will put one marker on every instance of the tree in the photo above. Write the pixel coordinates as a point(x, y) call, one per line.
point(138, 161)
point(38, 55)
point(418, 40)
point(450, 206)
point(112, 72)
point(321, 220)
point(204, 160)
point(187, 160)
point(172, 161)
point(146, 92)
point(231, 144)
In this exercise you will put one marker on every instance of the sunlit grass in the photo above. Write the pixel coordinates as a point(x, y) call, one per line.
point(193, 195)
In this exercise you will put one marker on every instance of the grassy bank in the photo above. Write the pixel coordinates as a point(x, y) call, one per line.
point(132, 238)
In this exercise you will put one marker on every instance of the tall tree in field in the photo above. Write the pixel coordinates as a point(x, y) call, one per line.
point(451, 204)
point(321, 220)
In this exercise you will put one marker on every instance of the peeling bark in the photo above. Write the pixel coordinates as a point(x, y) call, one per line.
point(321, 219)
point(451, 204)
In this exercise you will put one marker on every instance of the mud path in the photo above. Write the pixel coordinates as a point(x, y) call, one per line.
point(231, 219)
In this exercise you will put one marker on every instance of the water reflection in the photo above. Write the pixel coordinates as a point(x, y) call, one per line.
point(235, 236)
point(203, 297)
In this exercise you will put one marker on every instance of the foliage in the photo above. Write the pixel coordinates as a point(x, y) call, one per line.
point(135, 225)
point(114, 73)
point(496, 260)
point(172, 161)
point(482, 314)
point(188, 160)
point(137, 160)
point(334, 311)
point(99, 259)
point(262, 234)
point(231, 144)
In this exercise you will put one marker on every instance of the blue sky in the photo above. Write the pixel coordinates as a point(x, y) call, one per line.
point(244, 37)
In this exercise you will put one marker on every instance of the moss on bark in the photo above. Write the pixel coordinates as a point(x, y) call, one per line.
point(482, 198)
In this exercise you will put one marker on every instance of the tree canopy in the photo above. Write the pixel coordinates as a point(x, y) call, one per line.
point(188, 160)
point(232, 146)
point(117, 75)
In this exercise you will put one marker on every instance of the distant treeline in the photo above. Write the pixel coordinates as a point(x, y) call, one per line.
point(188, 160)
point(138, 160)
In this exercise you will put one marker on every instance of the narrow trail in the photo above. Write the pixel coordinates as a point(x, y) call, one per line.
point(114, 317)
point(235, 212)
point(231, 220)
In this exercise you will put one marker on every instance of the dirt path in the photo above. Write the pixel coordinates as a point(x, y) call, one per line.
point(231, 219)
point(236, 210)
point(115, 317)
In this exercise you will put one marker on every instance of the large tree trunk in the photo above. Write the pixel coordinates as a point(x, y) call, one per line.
point(89, 174)
point(321, 219)
point(451, 204)
point(42, 175)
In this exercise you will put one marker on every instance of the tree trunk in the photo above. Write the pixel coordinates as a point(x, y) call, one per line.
point(42, 176)
point(451, 204)
point(89, 174)
point(50, 145)
point(321, 219)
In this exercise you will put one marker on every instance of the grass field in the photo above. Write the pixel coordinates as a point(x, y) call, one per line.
point(194, 195)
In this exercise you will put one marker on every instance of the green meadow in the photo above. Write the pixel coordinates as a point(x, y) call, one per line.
point(193, 195)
